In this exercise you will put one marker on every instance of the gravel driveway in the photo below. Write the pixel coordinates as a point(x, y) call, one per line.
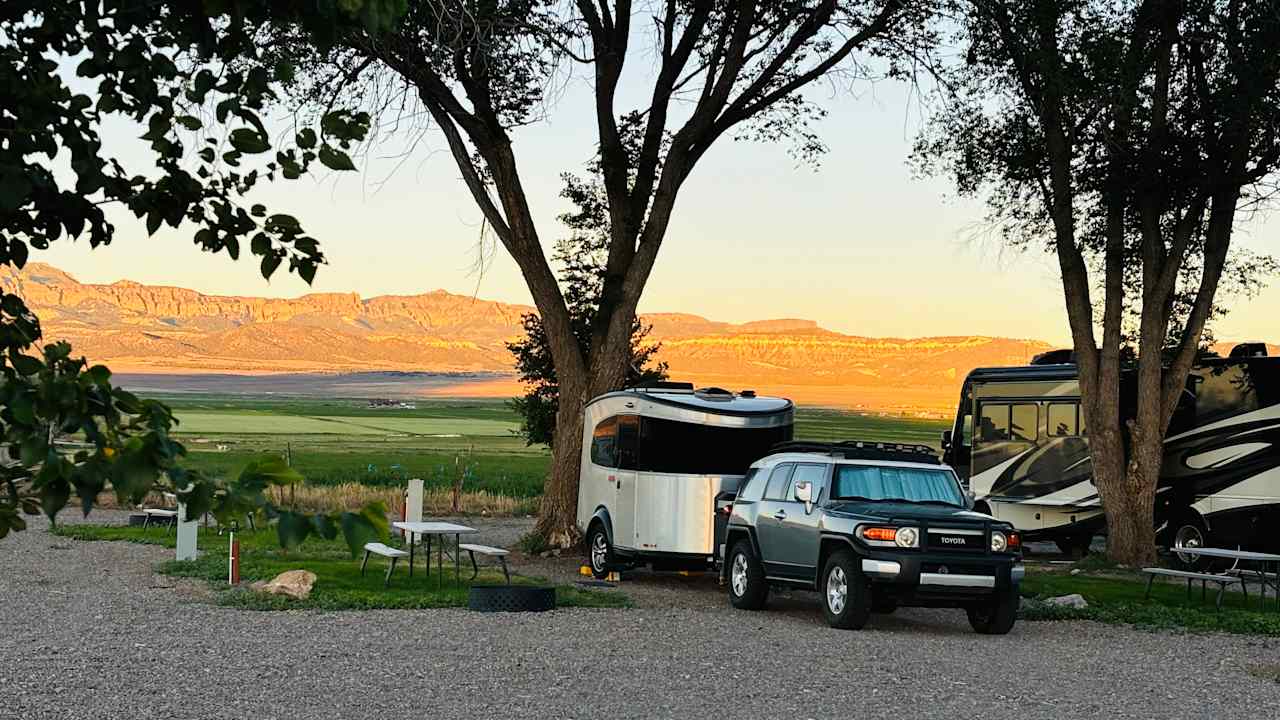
point(90, 632)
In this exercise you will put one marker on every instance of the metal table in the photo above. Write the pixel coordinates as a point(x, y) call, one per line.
point(440, 530)
point(1264, 560)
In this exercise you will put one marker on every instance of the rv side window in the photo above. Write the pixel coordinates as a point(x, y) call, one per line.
point(1062, 420)
point(603, 442)
point(628, 442)
point(1026, 422)
point(1224, 391)
point(778, 482)
point(994, 425)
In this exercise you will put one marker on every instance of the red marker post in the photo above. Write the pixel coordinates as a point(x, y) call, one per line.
point(233, 562)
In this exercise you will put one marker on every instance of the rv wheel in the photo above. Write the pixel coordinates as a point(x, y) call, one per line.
point(1189, 531)
point(599, 553)
point(1074, 546)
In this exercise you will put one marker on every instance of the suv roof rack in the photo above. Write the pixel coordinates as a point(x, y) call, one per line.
point(863, 450)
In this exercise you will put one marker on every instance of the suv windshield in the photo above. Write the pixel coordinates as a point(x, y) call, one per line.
point(863, 482)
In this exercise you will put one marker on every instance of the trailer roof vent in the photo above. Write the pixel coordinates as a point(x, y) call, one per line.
point(1253, 349)
point(713, 393)
point(747, 393)
point(1064, 356)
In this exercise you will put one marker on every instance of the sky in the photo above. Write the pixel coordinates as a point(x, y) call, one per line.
point(860, 244)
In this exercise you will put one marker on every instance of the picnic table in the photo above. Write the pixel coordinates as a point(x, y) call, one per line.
point(1264, 560)
point(440, 530)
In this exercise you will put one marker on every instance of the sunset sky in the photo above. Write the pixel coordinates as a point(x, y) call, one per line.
point(859, 244)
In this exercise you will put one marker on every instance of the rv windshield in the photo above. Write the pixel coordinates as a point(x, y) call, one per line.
point(864, 482)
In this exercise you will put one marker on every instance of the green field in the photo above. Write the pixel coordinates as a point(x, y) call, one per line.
point(339, 441)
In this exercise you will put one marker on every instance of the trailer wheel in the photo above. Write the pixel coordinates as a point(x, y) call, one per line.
point(1074, 546)
point(599, 551)
point(748, 589)
point(846, 595)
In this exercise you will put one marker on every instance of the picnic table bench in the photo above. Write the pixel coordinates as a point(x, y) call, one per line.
point(490, 551)
point(1222, 580)
point(386, 551)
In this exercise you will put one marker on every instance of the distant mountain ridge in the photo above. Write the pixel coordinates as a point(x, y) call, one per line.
point(137, 327)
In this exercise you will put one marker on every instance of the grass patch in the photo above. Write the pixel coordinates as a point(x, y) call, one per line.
point(1118, 598)
point(339, 585)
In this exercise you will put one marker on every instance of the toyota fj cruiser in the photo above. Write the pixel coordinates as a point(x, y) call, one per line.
point(871, 526)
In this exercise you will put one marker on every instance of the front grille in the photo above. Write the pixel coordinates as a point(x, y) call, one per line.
point(956, 540)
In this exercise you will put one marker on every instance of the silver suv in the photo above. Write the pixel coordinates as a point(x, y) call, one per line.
point(872, 526)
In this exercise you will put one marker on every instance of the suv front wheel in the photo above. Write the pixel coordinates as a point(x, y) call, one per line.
point(748, 589)
point(846, 598)
point(996, 616)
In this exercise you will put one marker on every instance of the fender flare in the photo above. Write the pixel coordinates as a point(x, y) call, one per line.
point(602, 516)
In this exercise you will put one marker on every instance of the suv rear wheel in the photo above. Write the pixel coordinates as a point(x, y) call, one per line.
point(846, 597)
point(748, 589)
point(997, 615)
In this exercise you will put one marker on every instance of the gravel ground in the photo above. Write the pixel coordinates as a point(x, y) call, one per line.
point(91, 632)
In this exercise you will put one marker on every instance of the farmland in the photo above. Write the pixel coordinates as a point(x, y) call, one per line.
point(338, 441)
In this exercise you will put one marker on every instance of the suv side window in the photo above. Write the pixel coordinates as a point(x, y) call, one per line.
point(779, 482)
point(604, 442)
point(813, 474)
point(752, 485)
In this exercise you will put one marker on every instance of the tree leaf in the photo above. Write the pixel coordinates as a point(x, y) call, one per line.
point(249, 141)
point(269, 470)
point(335, 159)
point(292, 528)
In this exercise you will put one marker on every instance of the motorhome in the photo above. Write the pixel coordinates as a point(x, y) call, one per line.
point(1021, 441)
point(661, 466)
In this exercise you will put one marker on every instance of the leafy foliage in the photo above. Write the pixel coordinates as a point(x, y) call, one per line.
point(581, 256)
point(182, 71)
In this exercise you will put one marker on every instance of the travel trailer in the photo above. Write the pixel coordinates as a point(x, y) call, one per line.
point(1020, 440)
point(661, 466)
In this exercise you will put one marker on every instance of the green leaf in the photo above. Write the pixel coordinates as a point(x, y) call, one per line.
point(269, 470)
point(269, 265)
point(306, 138)
point(25, 364)
point(249, 141)
point(292, 528)
point(54, 497)
point(335, 159)
point(190, 122)
point(324, 526)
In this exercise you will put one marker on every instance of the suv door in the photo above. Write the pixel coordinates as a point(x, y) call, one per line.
point(771, 511)
point(796, 540)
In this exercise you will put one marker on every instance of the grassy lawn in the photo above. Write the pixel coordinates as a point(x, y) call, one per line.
point(1117, 597)
point(338, 586)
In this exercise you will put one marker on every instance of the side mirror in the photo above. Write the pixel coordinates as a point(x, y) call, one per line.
point(946, 439)
point(804, 493)
point(970, 499)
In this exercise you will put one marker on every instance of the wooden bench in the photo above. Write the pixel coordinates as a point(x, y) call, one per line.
point(386, 551)
point(1222, 580)
point(488, 551)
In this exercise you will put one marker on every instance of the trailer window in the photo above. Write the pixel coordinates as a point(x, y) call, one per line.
point(778, 482)
point(670, 446)
point(628, 442)
point(1062, 420)
point(603, 443)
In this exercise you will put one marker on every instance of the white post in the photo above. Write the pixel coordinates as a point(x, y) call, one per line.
point(413, 501)
point(186, 534)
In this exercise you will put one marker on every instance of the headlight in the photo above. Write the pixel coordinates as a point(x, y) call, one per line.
point(907, 537)
point(998, 541)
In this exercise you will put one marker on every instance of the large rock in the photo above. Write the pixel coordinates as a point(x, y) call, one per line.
point(1075, 600)
point(294, 583)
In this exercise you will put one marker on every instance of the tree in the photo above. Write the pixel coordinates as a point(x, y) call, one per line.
point(190, 73)
point(1128, 138)
point(582, 257)
point(718, 67)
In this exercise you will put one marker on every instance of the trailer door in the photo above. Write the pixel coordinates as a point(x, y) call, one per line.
point(624, 481)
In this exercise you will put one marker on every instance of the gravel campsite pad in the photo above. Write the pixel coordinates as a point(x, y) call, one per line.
point(92, 632)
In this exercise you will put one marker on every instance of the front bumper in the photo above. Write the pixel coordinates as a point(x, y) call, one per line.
point(941, 579)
